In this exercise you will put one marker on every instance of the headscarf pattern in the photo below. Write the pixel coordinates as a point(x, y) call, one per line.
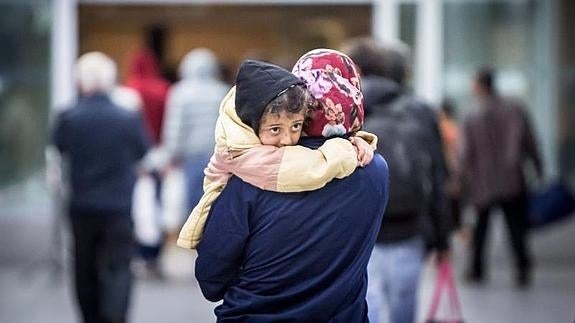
point(332, 79)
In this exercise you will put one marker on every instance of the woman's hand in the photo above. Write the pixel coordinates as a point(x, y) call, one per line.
point(363, 149)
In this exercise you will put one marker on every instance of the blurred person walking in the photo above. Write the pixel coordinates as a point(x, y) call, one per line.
point(451, 138)
point(416, 219)
point(145, 77)
point(102, 144)
point(497, 141)
point(191, 112)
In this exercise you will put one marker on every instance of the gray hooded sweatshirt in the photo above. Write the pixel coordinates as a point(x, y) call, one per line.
point(192, 106)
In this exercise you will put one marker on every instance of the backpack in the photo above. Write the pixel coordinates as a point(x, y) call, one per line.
point(404, 143)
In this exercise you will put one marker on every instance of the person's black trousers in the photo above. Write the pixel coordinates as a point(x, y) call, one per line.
point(103, 250)
point(515, 213)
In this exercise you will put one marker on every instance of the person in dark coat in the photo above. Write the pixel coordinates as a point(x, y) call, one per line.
point(102, 144)
point(299, 257)
point(417, 220)
point(497, 143)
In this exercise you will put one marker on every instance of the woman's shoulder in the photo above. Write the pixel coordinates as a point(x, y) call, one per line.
point(379, 164)
point(237, 187)
point(377, 171)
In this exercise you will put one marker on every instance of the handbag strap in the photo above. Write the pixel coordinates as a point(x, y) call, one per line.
point(445, 280)
point(451, 289)
point(436, 296)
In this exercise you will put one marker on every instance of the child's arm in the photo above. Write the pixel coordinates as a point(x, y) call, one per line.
point(370, 138)
point(286, 169)
point(305, 169)
point(297, 168)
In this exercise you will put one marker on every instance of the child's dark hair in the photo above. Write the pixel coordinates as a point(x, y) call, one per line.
point(294, 99)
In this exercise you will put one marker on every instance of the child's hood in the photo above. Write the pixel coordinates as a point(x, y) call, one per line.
point(231, 133)
point(257, 84)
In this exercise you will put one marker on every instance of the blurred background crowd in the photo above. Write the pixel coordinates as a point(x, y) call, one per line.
point(176, 59)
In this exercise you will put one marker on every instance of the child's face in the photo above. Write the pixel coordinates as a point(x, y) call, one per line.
point(281, 129)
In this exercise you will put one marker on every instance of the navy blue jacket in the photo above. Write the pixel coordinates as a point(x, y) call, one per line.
point(102, 143)
point(293, 257)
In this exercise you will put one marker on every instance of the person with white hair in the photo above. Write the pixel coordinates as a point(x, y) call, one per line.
point(102, 143)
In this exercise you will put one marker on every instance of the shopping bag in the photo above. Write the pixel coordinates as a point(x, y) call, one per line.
point(551, 204)
point(145, 210)
point(174, 201)
point(445, 286)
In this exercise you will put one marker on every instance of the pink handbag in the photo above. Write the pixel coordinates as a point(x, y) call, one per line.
point(445, 285)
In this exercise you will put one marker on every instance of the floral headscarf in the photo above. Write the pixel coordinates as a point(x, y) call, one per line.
point(333, 81)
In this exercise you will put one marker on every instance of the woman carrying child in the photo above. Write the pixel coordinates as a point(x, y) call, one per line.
point(299, 256)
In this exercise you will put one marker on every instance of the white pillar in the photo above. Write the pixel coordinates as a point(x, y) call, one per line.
point(429, 50)
point(64, 49)
point(385, 20)
point(546, 105)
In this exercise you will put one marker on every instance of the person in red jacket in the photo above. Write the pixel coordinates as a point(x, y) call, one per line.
point(144, 76)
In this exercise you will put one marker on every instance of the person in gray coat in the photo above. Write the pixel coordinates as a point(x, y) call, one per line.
point(191, 113)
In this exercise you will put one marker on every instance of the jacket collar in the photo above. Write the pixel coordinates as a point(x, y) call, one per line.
point(96, 97)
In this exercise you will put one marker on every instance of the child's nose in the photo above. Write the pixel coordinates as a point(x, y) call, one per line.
point(286, 140)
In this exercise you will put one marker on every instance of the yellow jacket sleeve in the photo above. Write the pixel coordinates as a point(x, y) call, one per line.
point(304, 169)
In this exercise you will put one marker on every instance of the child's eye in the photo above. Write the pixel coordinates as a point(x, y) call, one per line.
point(275, 130)
point(296, 127)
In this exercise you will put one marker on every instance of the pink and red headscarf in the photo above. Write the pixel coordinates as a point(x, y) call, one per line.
point(334, 82)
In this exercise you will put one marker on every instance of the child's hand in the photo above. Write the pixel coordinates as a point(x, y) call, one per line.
point(364, 150)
